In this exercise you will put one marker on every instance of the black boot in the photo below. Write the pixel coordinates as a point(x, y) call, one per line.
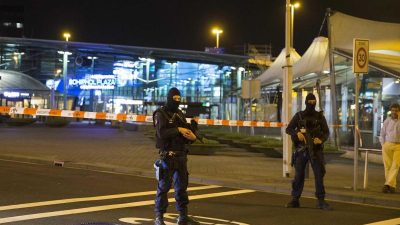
point(322, 204)
point(186, 220)
point(159, 220)
point(294, 203)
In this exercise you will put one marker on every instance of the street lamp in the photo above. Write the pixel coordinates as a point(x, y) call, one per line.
point(217, 32)
point(65, 67)
point(92, 101)
point(292, 7)
point(287, 87)
point(65, 72)
point(66, 35)
point(52, 93)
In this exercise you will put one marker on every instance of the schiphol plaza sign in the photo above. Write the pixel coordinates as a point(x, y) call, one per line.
point(95, 81)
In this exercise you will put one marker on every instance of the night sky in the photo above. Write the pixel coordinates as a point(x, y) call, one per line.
point(186, 24)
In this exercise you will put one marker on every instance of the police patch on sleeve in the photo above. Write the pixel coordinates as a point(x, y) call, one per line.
point(156, 119)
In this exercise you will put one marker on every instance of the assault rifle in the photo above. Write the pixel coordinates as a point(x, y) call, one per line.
point(181, 122)
point(309, 134)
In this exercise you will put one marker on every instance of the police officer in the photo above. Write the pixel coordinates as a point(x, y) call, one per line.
point(171, 141)
point(308, 130)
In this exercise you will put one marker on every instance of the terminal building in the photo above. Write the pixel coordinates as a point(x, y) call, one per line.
point(119, 79)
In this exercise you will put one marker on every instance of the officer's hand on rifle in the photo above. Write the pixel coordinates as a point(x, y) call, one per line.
point(301, 137)
point(317, 141)
point(183, 130)
point(186, 133)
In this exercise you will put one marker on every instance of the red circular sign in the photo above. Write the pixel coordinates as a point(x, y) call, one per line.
point(361, 57)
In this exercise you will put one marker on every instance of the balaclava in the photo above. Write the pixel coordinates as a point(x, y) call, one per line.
point(171, 104)
point(310, 107)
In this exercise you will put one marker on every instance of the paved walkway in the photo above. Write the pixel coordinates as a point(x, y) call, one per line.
point(119, 150)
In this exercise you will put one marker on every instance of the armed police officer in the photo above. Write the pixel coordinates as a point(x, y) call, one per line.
point(308, 130)
point(172, 166)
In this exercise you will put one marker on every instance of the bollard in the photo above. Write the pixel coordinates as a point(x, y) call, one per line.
point(366, 170)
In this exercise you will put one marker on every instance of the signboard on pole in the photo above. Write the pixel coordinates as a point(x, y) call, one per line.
point(360, 55)
point(251, 89)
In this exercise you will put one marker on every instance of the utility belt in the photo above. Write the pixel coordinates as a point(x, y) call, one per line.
point(172, 154)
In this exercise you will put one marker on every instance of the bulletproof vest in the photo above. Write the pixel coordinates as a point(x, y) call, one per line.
point(160, 143)
point(311, 122)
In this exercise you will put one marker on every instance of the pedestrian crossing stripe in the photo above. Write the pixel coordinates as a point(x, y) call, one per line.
point(387, 222)
point(112, 206)
point(172, 217)
point(95, 198)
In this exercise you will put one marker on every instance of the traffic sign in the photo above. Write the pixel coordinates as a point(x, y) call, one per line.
point(360, 55)
point(251, 89)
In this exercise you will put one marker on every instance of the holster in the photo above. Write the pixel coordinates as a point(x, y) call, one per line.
point(296, 152)
point(158, 169)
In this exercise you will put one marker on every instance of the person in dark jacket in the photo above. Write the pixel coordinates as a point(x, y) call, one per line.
point(172, 166)
point(308, 130)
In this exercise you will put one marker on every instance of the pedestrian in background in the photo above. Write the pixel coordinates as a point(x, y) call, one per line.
point(171, 141)
point(390, 140)
point(309, 131)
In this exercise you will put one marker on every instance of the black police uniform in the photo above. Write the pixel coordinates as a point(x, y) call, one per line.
point(173, 155)
point(316, 127)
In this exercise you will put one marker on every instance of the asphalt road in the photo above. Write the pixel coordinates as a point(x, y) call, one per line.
point(28, 194)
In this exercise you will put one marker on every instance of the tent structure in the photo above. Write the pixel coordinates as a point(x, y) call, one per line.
point(384, 52)
point(314, 62)
point(315, 59)
point(384, 40)
point(274, 72)
point(380, 87)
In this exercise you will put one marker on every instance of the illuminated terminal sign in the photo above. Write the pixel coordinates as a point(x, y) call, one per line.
point(14, 94)
point(96, 81)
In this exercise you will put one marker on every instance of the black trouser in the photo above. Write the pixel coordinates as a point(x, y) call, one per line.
point(174, 168)
point(318, 166)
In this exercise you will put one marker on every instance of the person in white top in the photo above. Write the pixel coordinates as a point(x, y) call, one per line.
point(390, 140)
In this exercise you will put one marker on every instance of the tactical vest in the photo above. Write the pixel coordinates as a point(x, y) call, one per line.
point(312, 123)
point(160, 143)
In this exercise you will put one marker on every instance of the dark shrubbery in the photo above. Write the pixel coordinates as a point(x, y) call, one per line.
point(54, 121)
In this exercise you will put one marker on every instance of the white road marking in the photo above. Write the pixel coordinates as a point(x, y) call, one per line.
point(95, 198)
point(134, 220)
point(387, 222)
point(110, 207)
point(202, 218)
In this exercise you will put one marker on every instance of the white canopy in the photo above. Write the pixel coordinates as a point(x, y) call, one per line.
point(384, 48)
point(314, 60)
point(384, 39)
point(274, 72)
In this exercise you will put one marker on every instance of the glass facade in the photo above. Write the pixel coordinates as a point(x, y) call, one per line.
point(123, 79)
point(378, 90)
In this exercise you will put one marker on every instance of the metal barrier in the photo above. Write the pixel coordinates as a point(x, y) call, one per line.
point(366, 163)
